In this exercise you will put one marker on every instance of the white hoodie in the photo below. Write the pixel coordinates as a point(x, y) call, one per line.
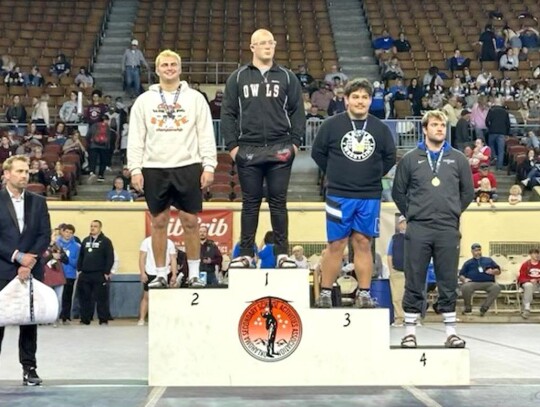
point(157, 141)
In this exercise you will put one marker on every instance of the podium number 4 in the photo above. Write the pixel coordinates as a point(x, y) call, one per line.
point(423, 359)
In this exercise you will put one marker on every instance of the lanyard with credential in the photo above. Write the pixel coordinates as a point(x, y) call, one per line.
point(359, 135)
point(170, 108)
point(435, 181)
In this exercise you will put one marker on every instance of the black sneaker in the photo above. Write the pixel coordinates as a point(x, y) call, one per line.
point(101, 179)
point(30, 377)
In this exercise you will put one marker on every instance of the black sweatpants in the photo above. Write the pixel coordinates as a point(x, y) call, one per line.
point(421, 243)
point(255, 165)
point(95, 154)
point(67, 299)
point(27, 339)
point(92, 290)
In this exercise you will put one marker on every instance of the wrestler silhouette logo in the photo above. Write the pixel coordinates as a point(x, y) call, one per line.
point(270, 329)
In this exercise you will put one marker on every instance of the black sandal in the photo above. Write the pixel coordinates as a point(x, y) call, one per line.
point(408, 342)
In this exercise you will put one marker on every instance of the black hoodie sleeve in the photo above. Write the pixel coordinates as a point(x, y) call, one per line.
point(295, 108)
point(389, 152)
point(401, 185)
point(466, 186)
point(109, 256)
point(230, 113)
point(319, 150)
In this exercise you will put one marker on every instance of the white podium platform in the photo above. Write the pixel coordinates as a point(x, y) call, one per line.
point(261, 331)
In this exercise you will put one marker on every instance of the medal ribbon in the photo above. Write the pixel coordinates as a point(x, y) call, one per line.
point(170, 109)
point(354, 126)
point(437, 164)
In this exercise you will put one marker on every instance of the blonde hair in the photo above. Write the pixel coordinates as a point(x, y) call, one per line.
point(8, 164)
point(433, 114)
point(485, 184)
point(515, 190)
point(297, 248)
point(168, 53)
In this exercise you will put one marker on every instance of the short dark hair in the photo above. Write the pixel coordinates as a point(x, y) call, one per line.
point(269, 237)
point(98, 222)
point(358, 83)
point(97, 92)
point(68, 226)
point(534, 250)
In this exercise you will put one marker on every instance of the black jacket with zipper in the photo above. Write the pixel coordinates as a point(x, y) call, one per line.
point(262, 109)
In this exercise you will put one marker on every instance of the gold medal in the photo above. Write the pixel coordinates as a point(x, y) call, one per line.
point(435, 182)
point(90, 250)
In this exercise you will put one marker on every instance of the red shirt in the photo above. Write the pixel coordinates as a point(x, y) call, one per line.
point(477, 177)
point(529, 271)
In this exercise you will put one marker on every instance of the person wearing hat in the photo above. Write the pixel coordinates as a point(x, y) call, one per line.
point(478, 274)
point(484, 172)
point(432, 188)
point(463, 130)
point(132, 60)
point(396, 264)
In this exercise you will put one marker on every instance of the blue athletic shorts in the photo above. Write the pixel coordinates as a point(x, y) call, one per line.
point(345, 215)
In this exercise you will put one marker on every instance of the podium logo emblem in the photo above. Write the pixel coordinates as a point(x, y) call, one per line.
point(270, 329)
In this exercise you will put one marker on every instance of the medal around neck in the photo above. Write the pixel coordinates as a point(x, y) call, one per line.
point(435, 181)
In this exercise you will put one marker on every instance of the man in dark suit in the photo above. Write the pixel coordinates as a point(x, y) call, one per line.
point(25, 233)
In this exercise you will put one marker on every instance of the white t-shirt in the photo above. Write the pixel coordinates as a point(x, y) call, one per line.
point(150, 267)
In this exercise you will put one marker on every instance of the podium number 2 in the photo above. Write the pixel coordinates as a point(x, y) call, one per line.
point(195, 300)
point(423, 359)
point(347, 320)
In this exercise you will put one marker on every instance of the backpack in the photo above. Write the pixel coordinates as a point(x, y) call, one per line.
point(101, 137)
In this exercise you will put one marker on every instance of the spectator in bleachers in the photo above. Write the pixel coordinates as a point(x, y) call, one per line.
point(485, 193)
point(498, 125)
point(479, 113)
point(529, 37)
point(266, 252)
point(313, 113)
point(56, 180)
point(337, 104)
point(335, 70)
point(132, 60)
point(531, 113)
point(463, 130)
point(529, 279)
point(384, 44)
point(452, 109)
point(531, 140)
point(377, 100)
point(34, 78)
point(472, 97)
point(415, 93)
point(96, 110)
point(58, 134)
point(523, 92)
point(36, 176)
point(16, 114)
point(457, 89)
point(466, 76)
point(299, 258)
point(14, 77)
point(488, 46)
point(484, 172)
point(458, 62)
point(509, 61)
point(33, 136)
point(322, 96)
point(398, 91)
point(478, 274)
point(211, 257)
point(491, 88)
point(482, 79)
point(61, 66)
point(98, 141)
point(392, 70)
point(306, 80)
point(118, 193)
point(481, 155)
point(8, 63)
point(402, 44)
point(215, 105)
point(68, 112)
point(506, 90)
point(197, 86)
point(523, 169)
point(84, 79)
point(512, 40)
point(514, 195)
point(307, 100)
point(432, 79)
point(40, 113)
point(6, 148)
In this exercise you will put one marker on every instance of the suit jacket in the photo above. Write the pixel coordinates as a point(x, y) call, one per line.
point(35, 237)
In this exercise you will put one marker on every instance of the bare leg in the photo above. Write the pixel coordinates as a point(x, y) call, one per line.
point(363, 260)
point(143, 309)
point(191, 234)
point(331, 262)
point(159, 237)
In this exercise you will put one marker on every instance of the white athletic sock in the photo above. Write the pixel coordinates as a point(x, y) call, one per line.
point(194, 268)
point(449, 319)
point(162, 272)
point(527, 307)
point(410, 323)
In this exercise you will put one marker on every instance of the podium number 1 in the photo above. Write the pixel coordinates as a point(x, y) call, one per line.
point(266, 283)
point(347, 320)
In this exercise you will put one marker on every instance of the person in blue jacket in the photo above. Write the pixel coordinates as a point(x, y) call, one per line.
point(266, 253)
point(68, 243)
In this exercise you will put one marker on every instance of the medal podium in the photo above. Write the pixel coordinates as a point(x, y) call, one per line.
point(261, 331)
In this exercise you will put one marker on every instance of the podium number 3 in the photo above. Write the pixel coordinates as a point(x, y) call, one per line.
point(195, 300)
point(347, 320)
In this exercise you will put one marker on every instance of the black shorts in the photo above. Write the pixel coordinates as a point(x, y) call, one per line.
point(179, 187)
point(152, 278)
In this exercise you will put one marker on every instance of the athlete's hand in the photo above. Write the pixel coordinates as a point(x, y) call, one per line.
point(23, 273)
point(233, 153)
point(144, 278)
point(137, 182)
point(207, 178)
point(29, 260)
